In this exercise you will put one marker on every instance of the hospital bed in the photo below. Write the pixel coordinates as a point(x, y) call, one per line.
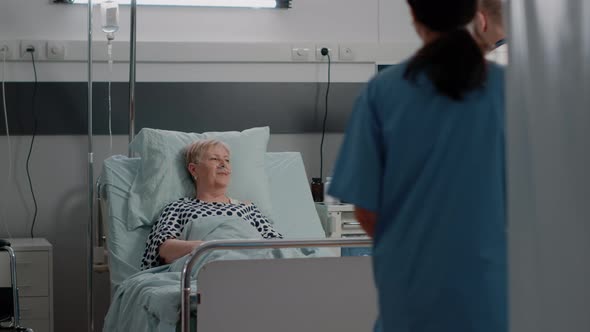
point(305, 294)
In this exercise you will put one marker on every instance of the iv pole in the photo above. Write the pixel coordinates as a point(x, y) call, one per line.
point(90, 231)
point(132, 66)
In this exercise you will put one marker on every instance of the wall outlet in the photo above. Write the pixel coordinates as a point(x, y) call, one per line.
point(318, 52)
point(37, 45)
point(5, 51)
point(345, 53)
point(300, 54)
point(8, 48)
point(56, 50)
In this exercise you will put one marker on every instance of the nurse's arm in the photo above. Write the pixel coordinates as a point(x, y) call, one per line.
point(367, 218)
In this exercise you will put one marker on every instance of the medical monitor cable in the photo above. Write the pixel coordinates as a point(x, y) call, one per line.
point(32, 51)
point(325, 52)
point(4, 52)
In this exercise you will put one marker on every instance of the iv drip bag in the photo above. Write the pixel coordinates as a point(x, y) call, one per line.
point(109, 12)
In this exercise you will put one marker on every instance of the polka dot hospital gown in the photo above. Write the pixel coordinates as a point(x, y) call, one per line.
point(176, 214)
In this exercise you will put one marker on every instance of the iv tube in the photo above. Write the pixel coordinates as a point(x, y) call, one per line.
point(110, 37)
point(109, 10)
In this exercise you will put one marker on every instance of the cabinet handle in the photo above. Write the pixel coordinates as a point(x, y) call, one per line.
point(24, 286)
point(355, 236)
point(351, 224)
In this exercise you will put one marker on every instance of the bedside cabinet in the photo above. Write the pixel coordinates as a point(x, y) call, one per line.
point(34, 274)
point(339, 221)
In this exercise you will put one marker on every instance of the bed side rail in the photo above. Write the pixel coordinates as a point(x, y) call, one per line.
point(100, 263)
point(208, 246)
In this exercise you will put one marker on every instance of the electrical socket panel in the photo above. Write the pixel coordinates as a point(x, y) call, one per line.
point(330, 47)
point(56, 50)
point(38, 45)
point(345, 53)
point(11, 49)
point(300, 53)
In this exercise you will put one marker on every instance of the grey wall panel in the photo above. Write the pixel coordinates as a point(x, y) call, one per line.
point(60, 107)
point(286, 107)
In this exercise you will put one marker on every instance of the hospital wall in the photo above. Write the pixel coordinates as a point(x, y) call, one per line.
point(58, 163)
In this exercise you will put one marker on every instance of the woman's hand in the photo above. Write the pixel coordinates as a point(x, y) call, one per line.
point(173, 249)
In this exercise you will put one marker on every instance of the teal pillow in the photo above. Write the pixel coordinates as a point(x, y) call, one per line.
point(162, 176)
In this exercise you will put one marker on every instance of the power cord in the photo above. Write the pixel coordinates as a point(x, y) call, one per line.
point(32, 51)
point(4, 52)
point(325, 52)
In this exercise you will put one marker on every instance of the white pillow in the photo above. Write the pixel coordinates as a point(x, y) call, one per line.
point(162, 176)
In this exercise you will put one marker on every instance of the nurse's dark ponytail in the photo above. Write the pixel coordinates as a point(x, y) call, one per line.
point(454, 62)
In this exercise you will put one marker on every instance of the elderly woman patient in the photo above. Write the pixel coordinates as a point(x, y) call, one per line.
point(208, 162)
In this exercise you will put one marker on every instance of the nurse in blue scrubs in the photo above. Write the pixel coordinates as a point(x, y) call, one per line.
point(423, 163)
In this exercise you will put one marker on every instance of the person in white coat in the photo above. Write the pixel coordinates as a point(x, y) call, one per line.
point(489, 26)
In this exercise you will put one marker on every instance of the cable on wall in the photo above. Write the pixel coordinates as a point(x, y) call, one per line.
point(33, 111)
point(4, 52)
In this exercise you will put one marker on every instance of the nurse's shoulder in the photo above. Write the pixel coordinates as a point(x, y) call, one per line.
point(496, 77)
point(496, 68)
point(393, 73)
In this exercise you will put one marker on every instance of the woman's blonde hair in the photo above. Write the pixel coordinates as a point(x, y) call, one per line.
point(194, 151)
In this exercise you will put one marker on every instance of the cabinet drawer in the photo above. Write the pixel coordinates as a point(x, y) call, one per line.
point(32, 269)
point(34, 308)
point(351, 227)
point(38, 325)
point(348, 225)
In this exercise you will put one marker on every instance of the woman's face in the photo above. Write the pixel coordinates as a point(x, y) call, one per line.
point(214, 168)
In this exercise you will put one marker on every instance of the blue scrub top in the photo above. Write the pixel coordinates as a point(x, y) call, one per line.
point(433, 169)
